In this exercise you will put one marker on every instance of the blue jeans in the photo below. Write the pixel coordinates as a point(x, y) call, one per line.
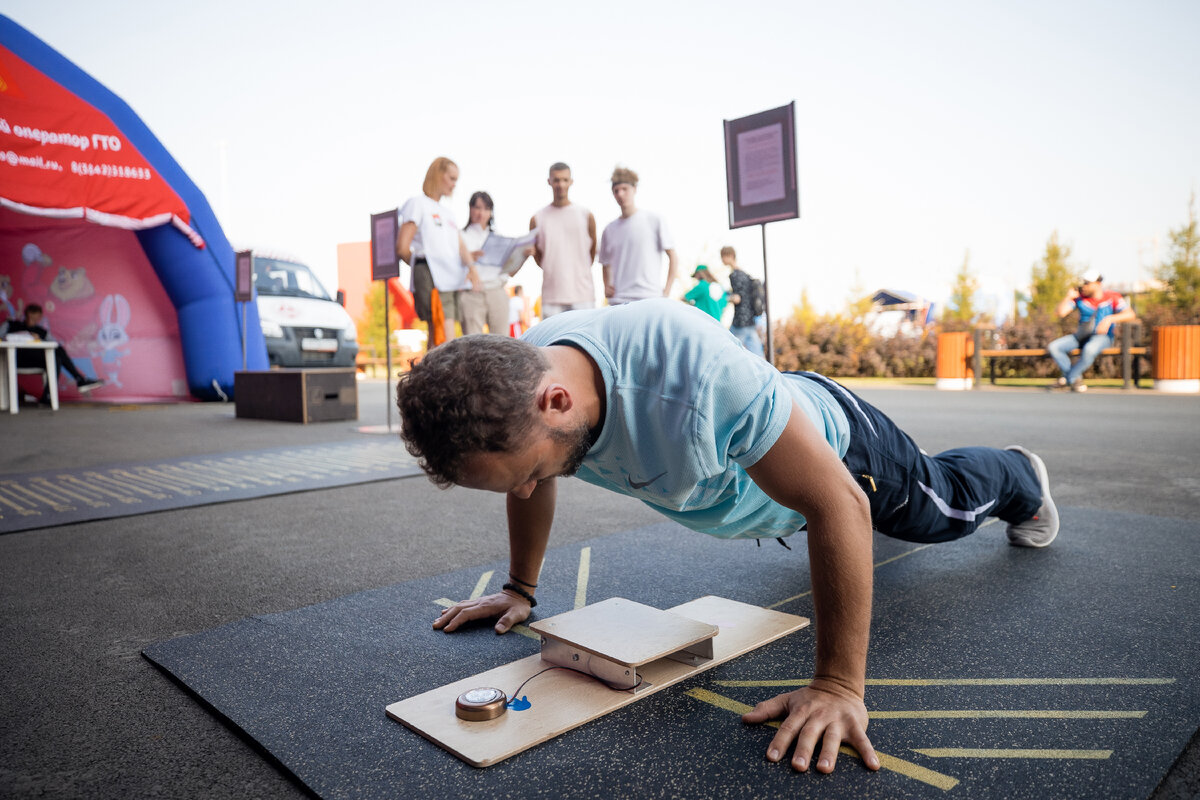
point(1060, 350)
point(748, 336)
point(922, 498)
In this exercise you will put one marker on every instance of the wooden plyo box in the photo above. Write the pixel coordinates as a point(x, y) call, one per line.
point(297, 395)
point(563, 699)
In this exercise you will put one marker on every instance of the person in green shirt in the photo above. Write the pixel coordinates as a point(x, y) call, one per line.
point(707, 295)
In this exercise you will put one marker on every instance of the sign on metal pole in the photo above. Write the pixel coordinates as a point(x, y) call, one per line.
point(760, 167)
point(385, 264)
point(760, 180)
point(244, 284)
point(243, 289)
point(384, 261)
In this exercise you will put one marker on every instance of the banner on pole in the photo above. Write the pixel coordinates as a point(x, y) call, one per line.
point(760, 167)
point(384, 261)
point(245, 276)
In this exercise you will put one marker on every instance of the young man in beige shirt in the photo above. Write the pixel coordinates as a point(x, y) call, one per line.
point(565, 248)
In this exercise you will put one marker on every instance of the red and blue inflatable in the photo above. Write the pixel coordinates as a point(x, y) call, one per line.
point(101, 227)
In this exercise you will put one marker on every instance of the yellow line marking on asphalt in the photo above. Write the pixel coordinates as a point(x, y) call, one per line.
point(877, 566)
point(972, 682)
point(195, 477)
point(25, 492)
point(445, 602)
point(96, 476)
point(185, 478)
point(98, 489)
point(993, 713)
point(24, 512)
point(147, 480)
point(982, 752)
point(246, 476)
point(906, 768)
point(62, 492)
point(227, 478)
point(581, 583)
point(483, 582)
point(170, 481)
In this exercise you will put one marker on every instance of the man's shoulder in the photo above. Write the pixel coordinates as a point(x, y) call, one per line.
point(571, 207)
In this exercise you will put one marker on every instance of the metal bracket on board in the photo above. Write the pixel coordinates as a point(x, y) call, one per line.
point(615, 674)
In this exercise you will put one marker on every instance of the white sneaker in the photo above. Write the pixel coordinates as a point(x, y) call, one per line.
point(1040, 529)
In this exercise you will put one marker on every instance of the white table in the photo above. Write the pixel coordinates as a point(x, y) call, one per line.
point(9, 392)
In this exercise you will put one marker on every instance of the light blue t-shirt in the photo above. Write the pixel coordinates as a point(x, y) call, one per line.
point(688, 409)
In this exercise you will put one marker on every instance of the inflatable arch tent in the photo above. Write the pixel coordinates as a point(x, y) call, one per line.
point(102, 228)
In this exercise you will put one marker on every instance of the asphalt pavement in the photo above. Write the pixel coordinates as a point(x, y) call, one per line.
point(85, 715)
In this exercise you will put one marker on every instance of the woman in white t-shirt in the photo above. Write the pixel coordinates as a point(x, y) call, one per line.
point(429, 241)
point(490, 305)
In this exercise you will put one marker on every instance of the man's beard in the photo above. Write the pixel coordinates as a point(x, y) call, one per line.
point(579, 441)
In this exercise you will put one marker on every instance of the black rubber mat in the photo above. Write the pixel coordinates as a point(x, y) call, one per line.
point(61, 497)
point(994, 672)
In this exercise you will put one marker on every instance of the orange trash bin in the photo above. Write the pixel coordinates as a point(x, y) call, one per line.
point(953, 352)
point(1177, 358)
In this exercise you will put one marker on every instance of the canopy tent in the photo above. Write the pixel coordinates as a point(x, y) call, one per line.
point(916, 308)
point(100, 226)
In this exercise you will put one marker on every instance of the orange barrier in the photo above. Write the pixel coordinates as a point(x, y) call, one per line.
point(1177, 358)
point(953, 352)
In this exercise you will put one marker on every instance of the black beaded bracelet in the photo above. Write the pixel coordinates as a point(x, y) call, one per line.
point(523, 583)
point(512, 587)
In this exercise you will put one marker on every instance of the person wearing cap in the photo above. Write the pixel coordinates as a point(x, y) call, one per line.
point(1099, 310)
point(707, 295)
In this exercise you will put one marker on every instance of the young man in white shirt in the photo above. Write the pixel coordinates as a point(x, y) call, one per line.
point(565, 248)
point(632, 245)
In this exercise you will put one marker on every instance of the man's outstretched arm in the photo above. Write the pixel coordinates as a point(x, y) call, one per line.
point(802, 472)
point(529, 521)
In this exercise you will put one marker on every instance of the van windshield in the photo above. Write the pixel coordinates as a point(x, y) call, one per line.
point(287, 279)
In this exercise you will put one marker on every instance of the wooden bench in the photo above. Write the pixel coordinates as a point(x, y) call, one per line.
point(1131, 356)
point(401, 359)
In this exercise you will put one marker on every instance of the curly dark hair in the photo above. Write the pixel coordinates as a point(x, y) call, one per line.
point(476, 394)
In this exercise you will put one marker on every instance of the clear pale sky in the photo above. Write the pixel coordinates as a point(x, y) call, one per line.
point(924, 130)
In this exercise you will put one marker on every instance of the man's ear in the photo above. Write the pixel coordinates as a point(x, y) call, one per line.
point(554, 398)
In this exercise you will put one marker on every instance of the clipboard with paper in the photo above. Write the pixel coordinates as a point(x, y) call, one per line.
point(506, 252)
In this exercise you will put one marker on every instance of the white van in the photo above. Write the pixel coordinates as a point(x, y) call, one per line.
point(302, 325)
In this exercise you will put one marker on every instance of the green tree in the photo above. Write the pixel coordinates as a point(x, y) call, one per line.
point(1053, 277)
point(959, 311)
point(1180, 273)
point(859, 302)
point(803, 312)
point(371, 324)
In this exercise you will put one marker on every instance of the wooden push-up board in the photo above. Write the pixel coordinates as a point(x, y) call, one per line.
point(562, 699)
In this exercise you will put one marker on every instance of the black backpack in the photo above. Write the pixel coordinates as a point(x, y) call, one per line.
point(757, 297)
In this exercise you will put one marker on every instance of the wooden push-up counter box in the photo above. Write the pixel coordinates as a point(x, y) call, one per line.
point(297, 395)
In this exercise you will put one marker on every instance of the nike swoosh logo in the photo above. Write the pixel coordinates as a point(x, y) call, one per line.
point(642, 484)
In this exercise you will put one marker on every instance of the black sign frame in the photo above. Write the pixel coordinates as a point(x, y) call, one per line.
point(243, 291)
point(765, 141)
point(385, 227)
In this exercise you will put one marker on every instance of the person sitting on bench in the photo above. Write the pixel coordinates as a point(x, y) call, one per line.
point(1099, 311)
point(28, 359)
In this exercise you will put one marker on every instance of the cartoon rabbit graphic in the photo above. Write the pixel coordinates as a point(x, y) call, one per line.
point(114, 318)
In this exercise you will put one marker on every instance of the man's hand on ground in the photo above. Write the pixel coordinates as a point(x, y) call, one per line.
point(509, 608)
point(822, 713)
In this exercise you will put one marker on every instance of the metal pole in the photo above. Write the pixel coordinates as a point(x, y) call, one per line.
point(243, 337)
point(767, 300)
point(387, 349)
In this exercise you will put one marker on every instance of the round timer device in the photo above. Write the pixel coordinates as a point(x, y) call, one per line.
point(481, 704)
